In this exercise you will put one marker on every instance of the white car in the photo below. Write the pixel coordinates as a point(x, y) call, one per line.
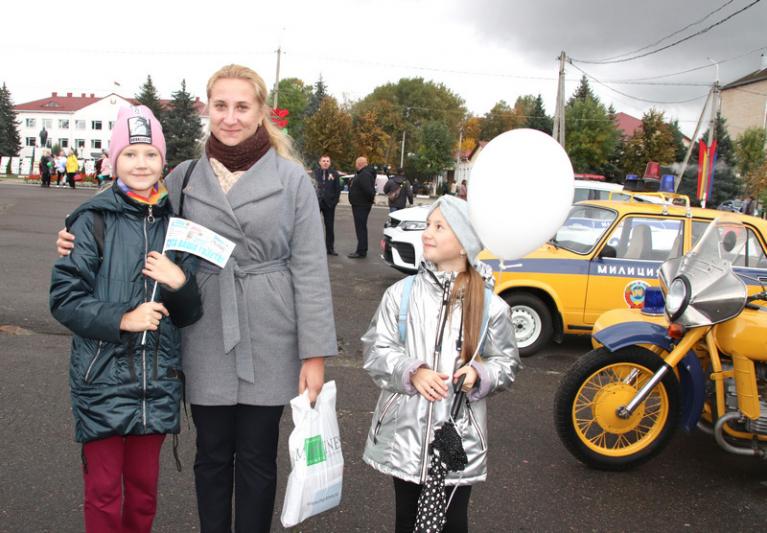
point(401, 246)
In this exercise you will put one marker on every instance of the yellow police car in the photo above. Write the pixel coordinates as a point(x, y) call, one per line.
point(604, 257)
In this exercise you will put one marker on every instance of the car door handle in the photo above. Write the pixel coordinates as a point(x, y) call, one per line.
point(763, 279)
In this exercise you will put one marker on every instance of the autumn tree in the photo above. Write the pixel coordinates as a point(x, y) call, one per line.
point(653, 141)
point(369, 137)
point(499, 119)
point(749, 150)
point(472, 127)
point(328, 131)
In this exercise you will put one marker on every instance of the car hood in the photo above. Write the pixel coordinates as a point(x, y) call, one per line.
point(417, 213)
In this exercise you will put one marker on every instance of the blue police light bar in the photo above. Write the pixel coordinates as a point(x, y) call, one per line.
point(654, 302)
point(667, 183)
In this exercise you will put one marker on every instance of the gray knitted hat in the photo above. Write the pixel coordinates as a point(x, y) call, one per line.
point(456, 212)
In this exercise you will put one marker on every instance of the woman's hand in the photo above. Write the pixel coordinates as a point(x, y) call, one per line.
point(163, 270)
point(145, 317)
point(312, 377)
point(65, 242)
point(430, 384)
point(471, 377)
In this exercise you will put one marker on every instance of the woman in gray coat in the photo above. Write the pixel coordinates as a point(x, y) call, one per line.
point(267, 316)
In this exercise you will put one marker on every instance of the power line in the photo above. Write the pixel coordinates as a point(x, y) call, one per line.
point(674, 33)
point(700, 32)
point(637, 97)
point(700, 67)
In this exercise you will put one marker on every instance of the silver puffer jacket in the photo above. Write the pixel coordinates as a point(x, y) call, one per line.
point(404, 422)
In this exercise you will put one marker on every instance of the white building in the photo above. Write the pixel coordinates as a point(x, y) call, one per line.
point(83, 122)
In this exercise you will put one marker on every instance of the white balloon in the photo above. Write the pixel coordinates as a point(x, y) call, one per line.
point(520, 192)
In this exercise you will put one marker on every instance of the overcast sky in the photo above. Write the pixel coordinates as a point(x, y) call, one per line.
point(484, 50)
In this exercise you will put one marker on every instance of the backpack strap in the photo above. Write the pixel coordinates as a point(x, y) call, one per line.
point(404, 306)
point(98, 232)
point(184, 183)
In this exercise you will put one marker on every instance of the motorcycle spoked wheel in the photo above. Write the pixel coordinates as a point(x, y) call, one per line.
point(589, 395)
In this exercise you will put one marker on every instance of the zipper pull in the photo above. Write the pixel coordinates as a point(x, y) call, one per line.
point(150, 216)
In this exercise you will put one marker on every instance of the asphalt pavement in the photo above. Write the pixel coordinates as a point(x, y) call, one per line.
point(533, 483)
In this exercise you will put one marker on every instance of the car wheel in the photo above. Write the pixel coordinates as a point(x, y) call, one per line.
point(532, 322)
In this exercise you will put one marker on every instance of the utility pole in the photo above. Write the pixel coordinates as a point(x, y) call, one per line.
point(559, 113)
point(458, 155)
point(404, 130)
point(277, 79)
point(683, 168)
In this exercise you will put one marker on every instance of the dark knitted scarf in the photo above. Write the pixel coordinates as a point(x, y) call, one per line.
point(242, 156)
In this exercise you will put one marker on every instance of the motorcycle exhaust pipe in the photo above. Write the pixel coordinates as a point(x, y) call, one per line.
point(720, 440)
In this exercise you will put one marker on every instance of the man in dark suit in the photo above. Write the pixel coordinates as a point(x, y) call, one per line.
point(328, 192)
point(362, 193)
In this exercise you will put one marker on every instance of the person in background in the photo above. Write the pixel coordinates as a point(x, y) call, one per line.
point(463, 191)
point(328, 193)
point(46, 167)
point(61, 168)
point(104, 171)
point(362, 193)
point(398, 191)
point(72, 166)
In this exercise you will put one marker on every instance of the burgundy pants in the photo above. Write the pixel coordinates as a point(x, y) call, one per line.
point(120, 476)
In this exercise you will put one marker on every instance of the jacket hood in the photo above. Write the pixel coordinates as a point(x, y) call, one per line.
point(112, 199)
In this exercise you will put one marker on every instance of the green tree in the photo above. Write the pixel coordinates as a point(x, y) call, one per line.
point(406, 107)
point(583, 91)
point(680, 150)
point(318, 95)
point(148, 96)
point(749, 150)
point(592, 135)
point(328, 131)
point(653, 141)
point(295, 96)
point(499, 119)
point(537, 118)
point(182, 128)
point(434, 153)
point(10, 140)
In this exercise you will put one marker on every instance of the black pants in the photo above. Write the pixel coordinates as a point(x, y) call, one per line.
point(406, 502)
point(236, 443)
point(45, 180)
point(59, 175)
point(328, 217)
point(360, 214)
point(71, 179)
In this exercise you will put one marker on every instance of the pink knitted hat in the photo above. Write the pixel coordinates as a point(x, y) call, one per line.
point(135, 125)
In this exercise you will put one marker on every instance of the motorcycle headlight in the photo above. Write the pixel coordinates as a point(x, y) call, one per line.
point(677, 298)
point(412, 225)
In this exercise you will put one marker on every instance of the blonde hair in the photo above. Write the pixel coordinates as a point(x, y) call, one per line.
point(470, 289)
point(280, 140)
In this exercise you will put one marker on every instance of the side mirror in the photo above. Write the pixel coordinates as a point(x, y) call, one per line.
point(608, 251)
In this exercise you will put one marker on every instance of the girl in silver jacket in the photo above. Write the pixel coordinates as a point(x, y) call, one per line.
point(416, 376)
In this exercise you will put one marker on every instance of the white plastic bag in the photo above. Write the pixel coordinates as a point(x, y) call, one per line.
point(316, 462)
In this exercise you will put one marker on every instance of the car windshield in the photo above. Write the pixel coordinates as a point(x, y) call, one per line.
point(583, 228)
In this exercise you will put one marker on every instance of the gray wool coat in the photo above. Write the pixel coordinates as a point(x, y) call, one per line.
point(270, 307)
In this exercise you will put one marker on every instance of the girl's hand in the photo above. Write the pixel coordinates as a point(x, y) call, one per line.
point(471, 377)
point(64, 243)
point(312, 377)
point(163, 270)
point(145, 317)
point(430, 384)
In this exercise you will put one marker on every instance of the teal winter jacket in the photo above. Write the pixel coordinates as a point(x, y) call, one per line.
point(119, 386)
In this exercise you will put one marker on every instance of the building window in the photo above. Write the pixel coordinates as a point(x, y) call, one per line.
point(80, 143)
point(95, 143)
point(30, 123)
point(64, 143)
point(80, 124)
point(63, 124)
point(30, 141)
point(95, 124)
point(47, 123)
point(111, 124)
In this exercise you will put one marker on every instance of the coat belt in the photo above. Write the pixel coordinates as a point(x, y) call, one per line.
point(233, 320)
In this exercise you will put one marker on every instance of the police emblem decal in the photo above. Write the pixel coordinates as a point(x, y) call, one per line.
point(633, 293)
